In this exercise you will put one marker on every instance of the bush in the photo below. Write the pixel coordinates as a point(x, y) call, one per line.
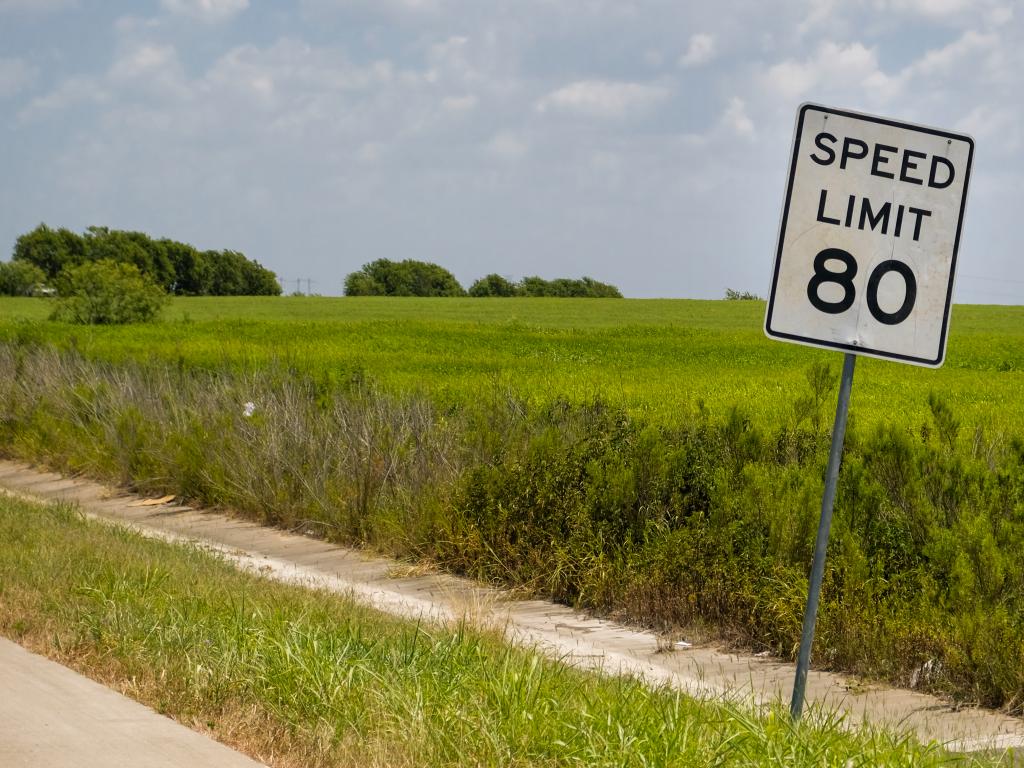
point(733, 295)
point(402, 278)
point(107, 293)
point(493, 285)
point(585, 287)
point(19, 278)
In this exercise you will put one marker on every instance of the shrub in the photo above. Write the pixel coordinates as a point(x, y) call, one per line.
point(733, 295)
point(20, 278)
point(107, 293)
point(585, 287)
point(402, 278)
point(493, 285)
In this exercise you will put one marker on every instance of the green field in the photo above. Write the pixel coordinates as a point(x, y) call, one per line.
point(655, 357)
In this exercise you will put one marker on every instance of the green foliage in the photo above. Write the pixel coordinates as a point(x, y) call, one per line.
point(402, 278)
point(20, 278)
point(231, 274)
point(175, 267)
point(493, 285)
point(192, 270)
point(585, 287)
point(106, 292)
point(734, 295)
point(51, 250)
point(417, 278)
point(945, 424)
point(148, 256)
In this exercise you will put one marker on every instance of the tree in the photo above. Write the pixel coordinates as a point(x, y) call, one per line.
point(493, 285)
point(20, 278)
point(107, 292)
point(534, 286)
point(402, 278)
point(257, 280)
point(596, 289)
point(191, 268)
point(176, 267)
point(586, 287)
point(49, 249)
point(361, 283)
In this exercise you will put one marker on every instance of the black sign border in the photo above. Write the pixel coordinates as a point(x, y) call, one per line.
point(932, 363)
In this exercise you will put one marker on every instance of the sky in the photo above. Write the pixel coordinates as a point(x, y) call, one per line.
point(644, 144)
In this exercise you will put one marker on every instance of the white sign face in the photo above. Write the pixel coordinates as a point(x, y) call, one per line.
point(869, 236)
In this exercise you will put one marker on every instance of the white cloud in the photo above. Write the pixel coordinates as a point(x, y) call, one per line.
point(700, 51)
point(941, 61)
point(931, 8)
point(853, 66)
point(15, 76)
point(459, 103)
point(999, 16)
point(735, 118)
point(206, 10)
point(603, 98)
point(507, 145)
point(998, 127)
point(71, 92)
point(819, 12)
point(853, 70)
point(144, 60)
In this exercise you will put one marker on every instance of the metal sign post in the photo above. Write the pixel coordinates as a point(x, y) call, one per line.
point(865, 263)
point(835, 456)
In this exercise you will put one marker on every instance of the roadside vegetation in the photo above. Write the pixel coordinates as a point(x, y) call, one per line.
point(702, 516)
point(298, 677)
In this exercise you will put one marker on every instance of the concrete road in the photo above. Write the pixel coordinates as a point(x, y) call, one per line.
point(52, 717)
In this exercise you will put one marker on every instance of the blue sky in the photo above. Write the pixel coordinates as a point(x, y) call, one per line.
point(641, 143)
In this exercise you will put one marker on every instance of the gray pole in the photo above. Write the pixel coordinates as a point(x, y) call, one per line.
point(835, 456)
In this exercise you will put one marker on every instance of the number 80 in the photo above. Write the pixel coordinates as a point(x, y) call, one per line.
point(844, 279)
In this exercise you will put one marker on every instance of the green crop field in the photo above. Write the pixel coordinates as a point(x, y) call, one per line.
point(654, 357)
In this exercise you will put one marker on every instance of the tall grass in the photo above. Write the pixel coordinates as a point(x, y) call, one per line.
point(298, 677)
point(705, 520)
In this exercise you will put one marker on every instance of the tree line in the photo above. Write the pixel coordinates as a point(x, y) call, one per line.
point(384, 277)
point(41, 256)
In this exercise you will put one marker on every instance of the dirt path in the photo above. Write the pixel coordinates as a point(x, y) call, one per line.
point(560, 631)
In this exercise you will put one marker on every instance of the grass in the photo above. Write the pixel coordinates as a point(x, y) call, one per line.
point(656, 358)
point(299, 677)
point(656, 461)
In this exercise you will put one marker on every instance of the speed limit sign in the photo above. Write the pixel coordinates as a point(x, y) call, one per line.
point(869, 237)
